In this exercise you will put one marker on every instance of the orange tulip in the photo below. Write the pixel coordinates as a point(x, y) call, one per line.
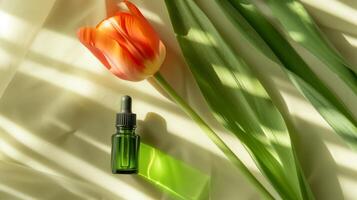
point(126, 44)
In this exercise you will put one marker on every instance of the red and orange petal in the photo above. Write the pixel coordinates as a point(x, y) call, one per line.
point(132, 33)
point(153, 65)
point(86, 36)
point(136, 12)
point(139, 35)
point(106, 26)
point(119, 61)
point(123, 64)
point(126, 44)
point(118, 33)
point(146, 29)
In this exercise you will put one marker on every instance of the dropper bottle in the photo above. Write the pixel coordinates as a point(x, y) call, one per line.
point(125, 143)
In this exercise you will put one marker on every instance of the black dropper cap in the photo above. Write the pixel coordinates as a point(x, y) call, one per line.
point(126, 118)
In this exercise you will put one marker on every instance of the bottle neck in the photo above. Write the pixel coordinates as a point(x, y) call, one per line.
point(122, 130)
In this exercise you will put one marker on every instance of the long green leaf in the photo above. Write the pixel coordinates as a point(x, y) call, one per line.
point(302, 29)
point(236, 97)
point(256, 28)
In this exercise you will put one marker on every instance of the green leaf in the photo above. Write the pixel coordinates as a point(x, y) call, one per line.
point(256, 28)
point(302, 29)
point(236, 97)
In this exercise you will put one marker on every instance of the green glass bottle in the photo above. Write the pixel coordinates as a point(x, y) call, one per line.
point(125, 143)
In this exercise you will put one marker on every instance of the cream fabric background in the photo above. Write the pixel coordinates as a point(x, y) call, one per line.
point(58, 104)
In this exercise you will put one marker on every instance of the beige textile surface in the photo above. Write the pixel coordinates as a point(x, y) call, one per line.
point(57, 107)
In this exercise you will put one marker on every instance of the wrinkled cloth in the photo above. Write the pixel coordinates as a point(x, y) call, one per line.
point(58, 104)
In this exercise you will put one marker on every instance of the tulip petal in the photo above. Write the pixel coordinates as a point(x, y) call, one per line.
point(139, 35)
point(107, 27)
point(134, 10)
point(100, 45)
point(126, 44)
point(152, 66)
point(130, 33)
point(122, 62)
point(113, 27)
point(85, 35)
point(141, 30)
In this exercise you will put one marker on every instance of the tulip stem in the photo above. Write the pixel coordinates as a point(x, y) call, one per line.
point(211, 134)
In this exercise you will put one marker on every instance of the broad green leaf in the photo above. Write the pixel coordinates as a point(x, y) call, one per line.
point(302, 29)
point(236, 97)
point(256, 28)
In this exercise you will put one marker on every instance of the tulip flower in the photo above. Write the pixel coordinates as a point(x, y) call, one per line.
point(126, 44)
point(130, 48)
